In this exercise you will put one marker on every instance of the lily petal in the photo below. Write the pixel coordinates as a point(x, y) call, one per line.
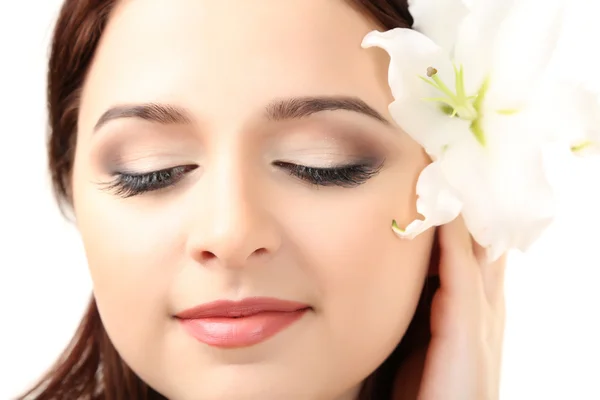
point(439, 20)
point(570, 114)
point(411, 54)
point(428, 126)
point(523, 50)
point(507, 199)
point(476, 38)
point(436, 202)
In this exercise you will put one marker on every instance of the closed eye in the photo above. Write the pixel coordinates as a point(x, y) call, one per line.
point(346, 176)
point(126, 184)
point(133, 184)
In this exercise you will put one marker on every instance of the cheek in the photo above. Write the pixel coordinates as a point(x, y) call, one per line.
point(367, 271)
point(369, 280)
point(127, 249)
point(132, 259)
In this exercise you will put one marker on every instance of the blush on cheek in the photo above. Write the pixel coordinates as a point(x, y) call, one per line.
point(131, 267)
point(369, 300)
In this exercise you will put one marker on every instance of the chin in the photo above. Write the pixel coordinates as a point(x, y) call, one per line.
point(256, 382)
point(244, 388)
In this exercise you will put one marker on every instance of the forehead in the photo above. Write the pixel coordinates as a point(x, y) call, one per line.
point(208, 54)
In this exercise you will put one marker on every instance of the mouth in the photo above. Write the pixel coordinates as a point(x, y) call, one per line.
point(231, 324)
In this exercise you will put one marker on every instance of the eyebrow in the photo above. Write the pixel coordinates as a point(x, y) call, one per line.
point(153, 112)
point(301, 107)
point(278, 110)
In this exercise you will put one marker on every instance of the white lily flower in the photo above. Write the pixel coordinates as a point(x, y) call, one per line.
point(473, 102)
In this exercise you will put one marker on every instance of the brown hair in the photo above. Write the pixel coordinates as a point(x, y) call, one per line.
point(90, 367)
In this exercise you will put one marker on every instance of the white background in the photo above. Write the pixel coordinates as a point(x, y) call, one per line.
point(552, 348)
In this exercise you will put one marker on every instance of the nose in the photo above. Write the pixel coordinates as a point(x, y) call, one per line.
point(232, 225)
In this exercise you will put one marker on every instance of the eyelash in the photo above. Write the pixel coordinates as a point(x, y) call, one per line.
point(346, 176)
point(132, 184)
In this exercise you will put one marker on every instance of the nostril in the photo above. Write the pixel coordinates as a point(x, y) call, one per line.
point(229, 256)
point(260, 252)
point(207, 256)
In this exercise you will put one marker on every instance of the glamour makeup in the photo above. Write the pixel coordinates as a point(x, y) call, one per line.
point(230, 324)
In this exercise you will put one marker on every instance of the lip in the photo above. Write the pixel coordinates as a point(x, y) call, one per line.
point(244, 323)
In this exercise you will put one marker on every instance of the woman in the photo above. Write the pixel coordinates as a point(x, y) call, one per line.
point(233, 170)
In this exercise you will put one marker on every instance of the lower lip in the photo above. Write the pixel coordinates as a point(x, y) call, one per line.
point(240, 332)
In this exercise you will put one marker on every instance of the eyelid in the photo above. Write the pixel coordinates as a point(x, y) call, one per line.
point(332, 158)
point(139, 148)
point(337, 131)
point(346, 161)
point(142, 164)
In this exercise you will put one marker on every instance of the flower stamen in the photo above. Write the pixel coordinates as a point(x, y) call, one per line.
point(581, 146)
point(458, 103)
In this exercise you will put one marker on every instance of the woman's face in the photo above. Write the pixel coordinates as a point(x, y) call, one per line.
point(281, 176)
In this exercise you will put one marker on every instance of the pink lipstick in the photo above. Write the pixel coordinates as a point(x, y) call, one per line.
point(244, 323)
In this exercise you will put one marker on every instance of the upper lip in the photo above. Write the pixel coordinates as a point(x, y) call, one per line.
point(241, 308)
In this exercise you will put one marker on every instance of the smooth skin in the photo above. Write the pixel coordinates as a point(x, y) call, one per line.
point(239, 224)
